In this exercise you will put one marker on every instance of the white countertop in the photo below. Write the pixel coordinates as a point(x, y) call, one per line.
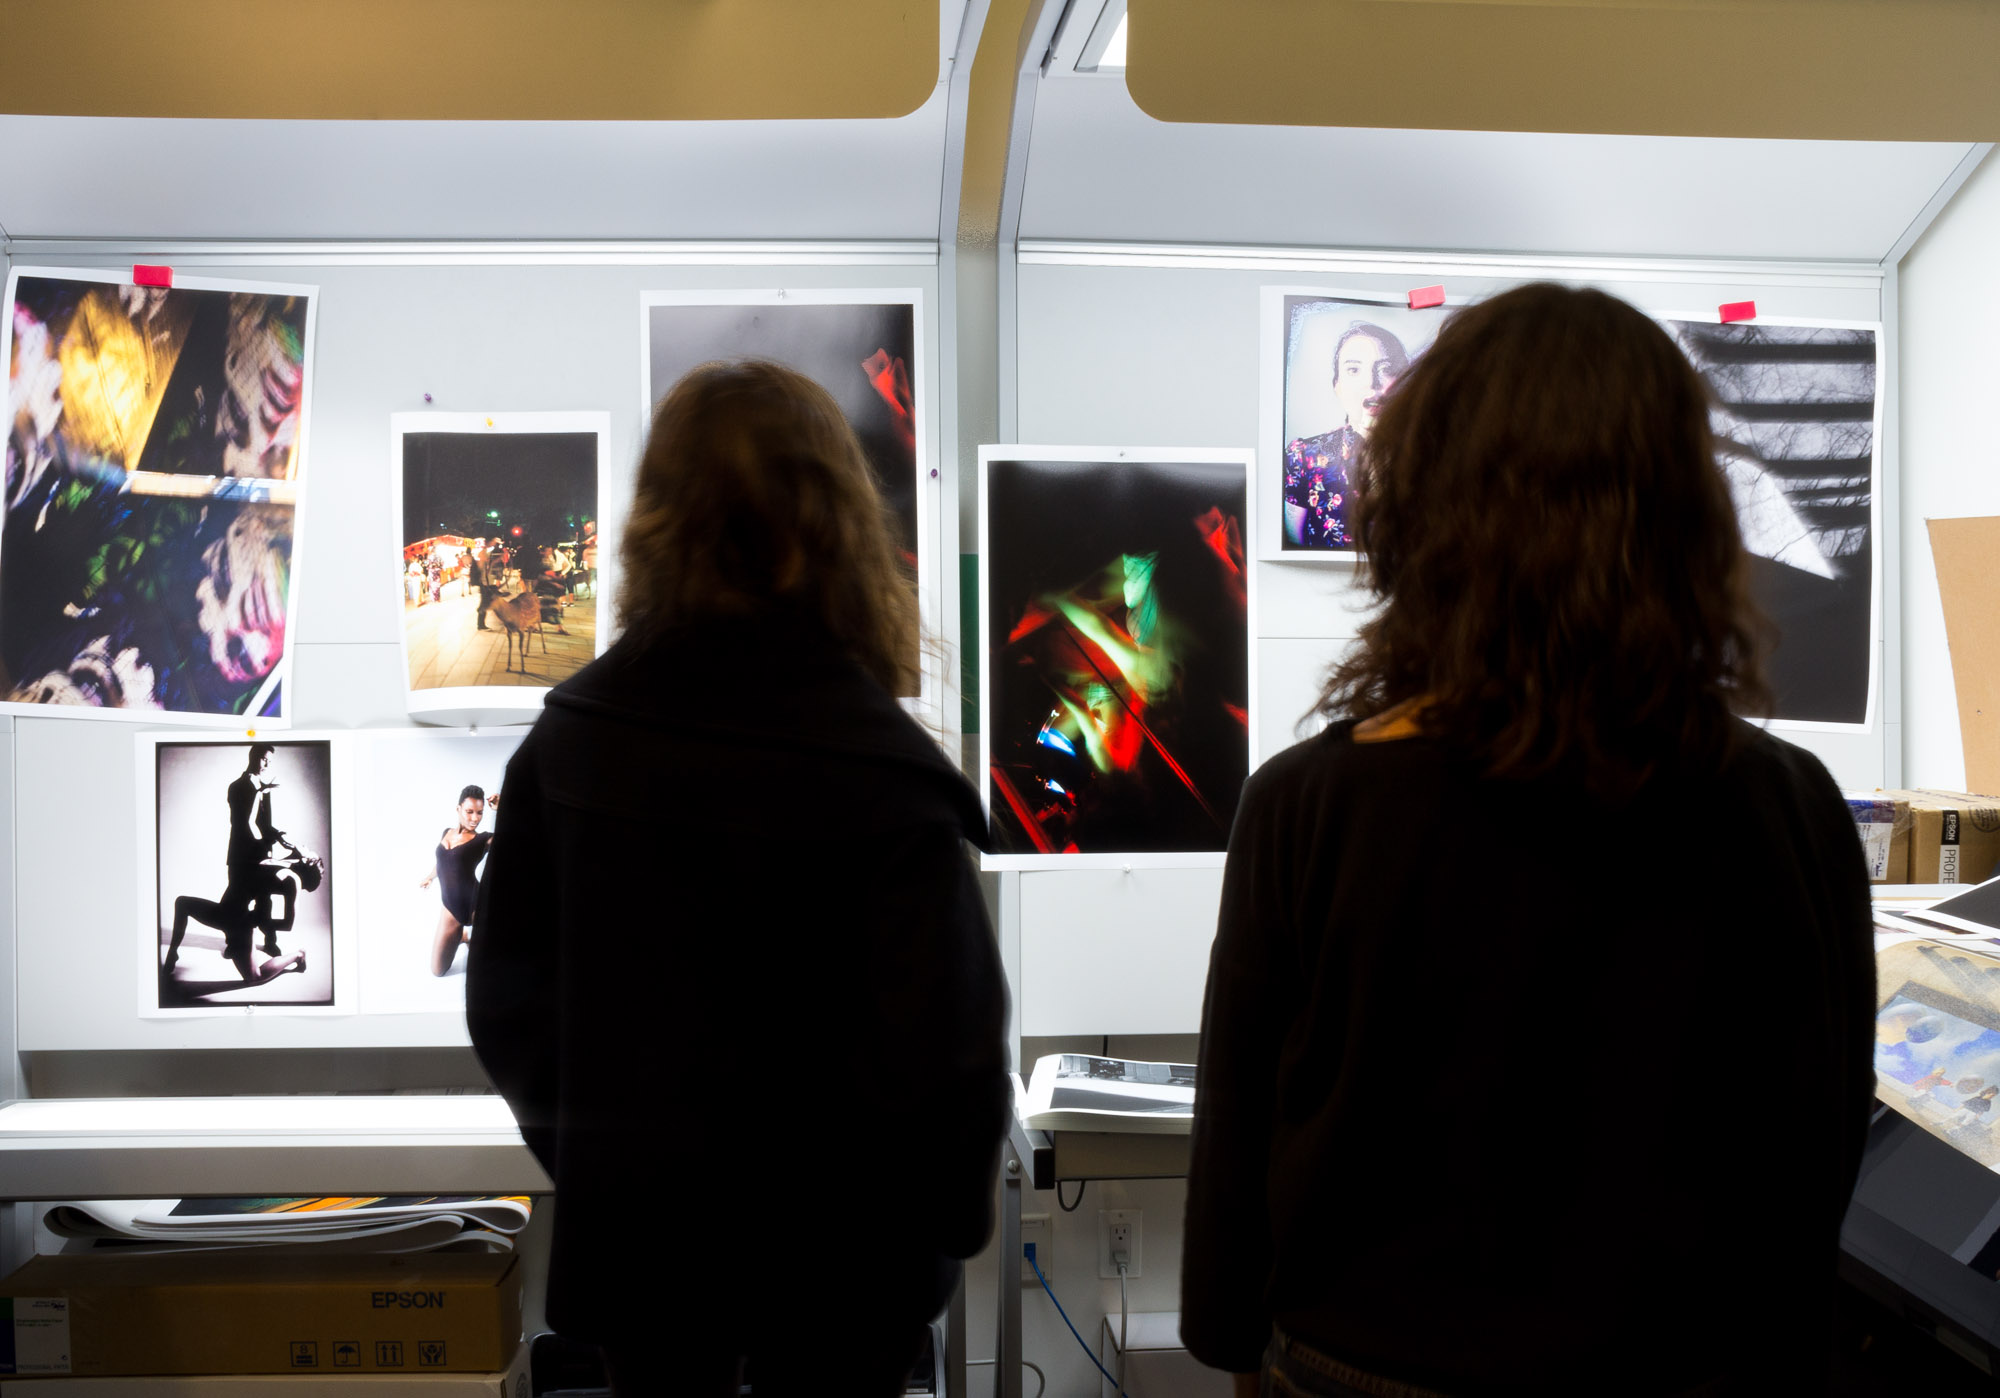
point(155, 1147)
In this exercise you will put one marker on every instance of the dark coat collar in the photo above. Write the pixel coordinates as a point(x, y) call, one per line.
point(776, 680)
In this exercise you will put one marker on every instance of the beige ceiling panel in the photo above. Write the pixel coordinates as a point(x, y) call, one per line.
point(471, 60)
point(1881, 70)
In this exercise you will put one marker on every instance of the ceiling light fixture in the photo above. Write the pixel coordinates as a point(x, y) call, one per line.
point(1114, 52)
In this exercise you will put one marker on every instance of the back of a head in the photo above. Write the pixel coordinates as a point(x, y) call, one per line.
point(1562, 579)
point(753, 494)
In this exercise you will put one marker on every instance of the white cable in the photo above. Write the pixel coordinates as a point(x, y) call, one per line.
point(1121, 1327)
point(1040, 1377)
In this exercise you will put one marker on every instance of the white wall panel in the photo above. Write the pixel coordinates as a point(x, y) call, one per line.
point(1122, 952)
point(1289, 676)
point(1138, 348)
point(1150, 354)
point(1306, 600)
point(349, 684)
point(522, 337)
point(1103, 169)
point(132, 177)
point(11, 1077)
point(1951, 449)
point(76, 799)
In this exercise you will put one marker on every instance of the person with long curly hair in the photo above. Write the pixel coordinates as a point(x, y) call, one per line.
point(1471, 1114)
point(729, 861)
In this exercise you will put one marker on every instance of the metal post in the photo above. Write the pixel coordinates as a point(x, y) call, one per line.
point(953, 1371)
point(1007, 1346)
point(17, 1221)
point(1043, 17)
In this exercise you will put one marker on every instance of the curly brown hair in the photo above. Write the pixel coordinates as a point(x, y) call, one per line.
point(753, 491)
point(1562, 581)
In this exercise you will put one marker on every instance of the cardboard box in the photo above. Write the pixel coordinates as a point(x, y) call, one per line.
point(1883, 823)
point(1964, 550)
point(1954, 836)
point(199, 1313)
point(512, 1382)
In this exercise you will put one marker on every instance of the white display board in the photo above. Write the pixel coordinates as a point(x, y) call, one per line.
point(1113, 345)
point(397, 333)
point(1950, 293)
point(1122, 343)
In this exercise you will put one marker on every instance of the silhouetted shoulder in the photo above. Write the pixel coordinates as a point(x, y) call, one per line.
point(1333, 753)
point(1764, 760)
point(1332, 768)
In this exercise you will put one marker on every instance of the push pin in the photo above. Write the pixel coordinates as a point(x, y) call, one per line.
point(427, 398)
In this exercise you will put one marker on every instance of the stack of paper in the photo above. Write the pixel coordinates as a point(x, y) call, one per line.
point(392, 1223)
point(1086, 1092)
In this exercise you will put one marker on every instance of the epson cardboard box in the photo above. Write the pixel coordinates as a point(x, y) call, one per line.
point(1882, 820)
point(1954, 836)
point(511, 1382)
point(194, 1313)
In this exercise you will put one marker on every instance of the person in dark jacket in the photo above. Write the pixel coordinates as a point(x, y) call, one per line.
point(1535, 852)
point(480, 578)
point(732, 954)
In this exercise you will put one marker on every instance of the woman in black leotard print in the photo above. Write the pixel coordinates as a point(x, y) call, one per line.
point(456, 866)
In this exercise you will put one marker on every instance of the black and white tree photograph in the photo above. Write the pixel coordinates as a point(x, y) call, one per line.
point(1796, 425)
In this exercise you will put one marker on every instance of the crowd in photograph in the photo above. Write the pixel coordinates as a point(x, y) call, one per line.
point(492, 569)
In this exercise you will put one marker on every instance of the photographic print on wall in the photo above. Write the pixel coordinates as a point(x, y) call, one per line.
point(865, 347)
point(1118, 668)
point(1328, 359)
point(427, 801)
point(243, 885)
point(1797, 422)
point(496, 556)
point(155, 464)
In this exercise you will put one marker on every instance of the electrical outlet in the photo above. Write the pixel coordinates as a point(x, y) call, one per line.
point(1120, 1230)
point(1035, 1229)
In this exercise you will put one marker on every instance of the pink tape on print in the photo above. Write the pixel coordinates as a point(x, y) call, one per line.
point(1426, 296)
point(1737, 310)
point(145, 275)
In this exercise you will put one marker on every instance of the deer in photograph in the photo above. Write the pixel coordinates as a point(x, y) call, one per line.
point(518, 615)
